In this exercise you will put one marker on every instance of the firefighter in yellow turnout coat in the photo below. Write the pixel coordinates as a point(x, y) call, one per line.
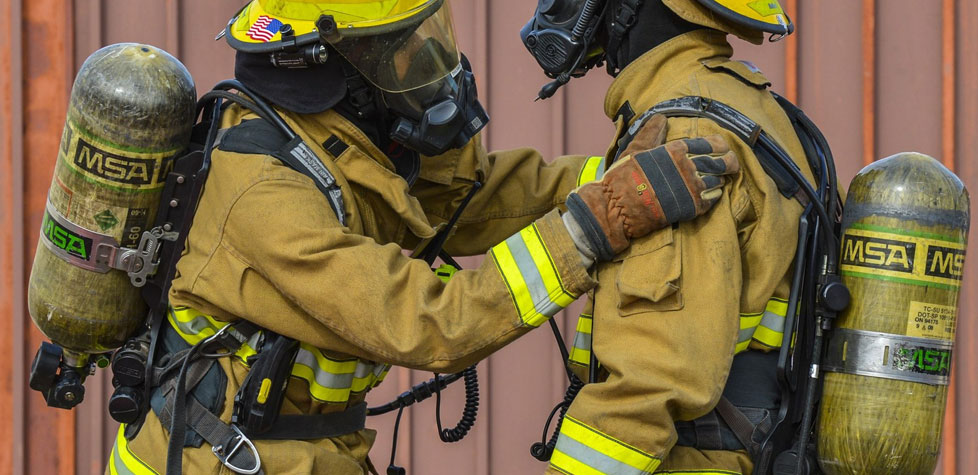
point(268, 247)
point(669, 315)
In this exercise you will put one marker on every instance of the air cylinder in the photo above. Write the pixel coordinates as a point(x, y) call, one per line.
point(888, 362)
point(129, 116)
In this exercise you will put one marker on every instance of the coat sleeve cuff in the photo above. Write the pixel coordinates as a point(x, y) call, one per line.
point(542, 269)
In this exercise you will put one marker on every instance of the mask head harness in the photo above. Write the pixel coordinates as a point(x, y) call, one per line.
point(561, 37)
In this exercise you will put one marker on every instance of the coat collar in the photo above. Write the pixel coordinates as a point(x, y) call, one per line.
point(641, 83)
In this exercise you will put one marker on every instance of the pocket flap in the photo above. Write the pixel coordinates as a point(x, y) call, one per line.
point(650, 275)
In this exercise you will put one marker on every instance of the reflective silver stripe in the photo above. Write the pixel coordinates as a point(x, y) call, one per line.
point(582, 341)
point(329, 379)
point(745, 334)
point(118, 466)
point(363, 370)
point(773, 321)
point(590, 457)
point(323, 378)
point(531, 275)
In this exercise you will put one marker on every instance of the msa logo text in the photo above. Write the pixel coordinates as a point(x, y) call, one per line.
point(945, 262)
point(878, 253)
point(116, 168)
point(72, 243)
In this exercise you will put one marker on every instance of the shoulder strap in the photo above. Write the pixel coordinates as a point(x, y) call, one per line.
point(765, 148)
point(260, 136)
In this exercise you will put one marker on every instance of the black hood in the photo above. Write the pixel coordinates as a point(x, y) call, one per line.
point(302, 90)
point(655, 24)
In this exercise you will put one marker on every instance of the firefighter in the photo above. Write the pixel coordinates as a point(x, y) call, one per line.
point(690, 312)
point(387, 107)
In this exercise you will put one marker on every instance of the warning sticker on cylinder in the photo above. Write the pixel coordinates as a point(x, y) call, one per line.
point(928, 320)
point(902, 256)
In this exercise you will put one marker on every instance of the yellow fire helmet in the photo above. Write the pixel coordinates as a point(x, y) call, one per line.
point(748, 19)
point(398, 45)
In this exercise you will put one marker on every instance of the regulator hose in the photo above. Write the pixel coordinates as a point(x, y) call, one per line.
point(469, 412)
point(545, 448)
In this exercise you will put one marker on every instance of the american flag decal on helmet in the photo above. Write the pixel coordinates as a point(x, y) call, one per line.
point(264, 29)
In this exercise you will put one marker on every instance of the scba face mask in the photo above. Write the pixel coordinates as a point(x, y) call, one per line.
point(560, 36)
point(440, 116)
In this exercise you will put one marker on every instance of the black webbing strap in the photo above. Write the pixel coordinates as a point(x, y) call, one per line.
point(316, 426)
point(742, 126)
point(741, 427)
point(196, 362)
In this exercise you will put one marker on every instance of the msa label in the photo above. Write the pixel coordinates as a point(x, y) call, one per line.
point(876, 253)
point(901, 256)
point(72, 243)
point(114, 166)
point(922, 360)
point(945, 262)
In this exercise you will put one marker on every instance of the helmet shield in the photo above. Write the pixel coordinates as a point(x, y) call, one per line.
point(401, 56)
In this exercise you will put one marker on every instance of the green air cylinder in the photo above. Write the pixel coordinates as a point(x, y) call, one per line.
point(129, 116)
point(888, 362)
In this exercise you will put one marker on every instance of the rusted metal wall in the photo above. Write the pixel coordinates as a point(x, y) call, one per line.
point(879, 77)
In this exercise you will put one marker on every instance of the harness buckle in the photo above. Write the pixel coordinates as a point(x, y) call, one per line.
point(225, 455)
point(226, 338)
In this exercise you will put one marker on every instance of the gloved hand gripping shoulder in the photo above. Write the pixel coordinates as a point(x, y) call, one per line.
point(648, 189)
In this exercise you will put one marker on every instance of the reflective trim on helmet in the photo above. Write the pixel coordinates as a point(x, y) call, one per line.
point(580, 353)
point(329, 379)
point(123, 461)
point(584, 450)
point(592, 170)
point(529, 272)
point(766, 328)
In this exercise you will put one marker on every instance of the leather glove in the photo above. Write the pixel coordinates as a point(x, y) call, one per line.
point(648, 190)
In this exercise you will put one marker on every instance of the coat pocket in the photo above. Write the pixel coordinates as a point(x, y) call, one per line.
point(650, 276)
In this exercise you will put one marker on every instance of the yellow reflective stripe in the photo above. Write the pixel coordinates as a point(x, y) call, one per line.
point(748, 324)
point(194, 326)
point(585, 450)
point(531, 276)
point(319, 391)
point(770, 331)
point(581, 351)
point(590, 171)
point(766, 328)
point(329, 379)
point(124, 462)
point(769, 337)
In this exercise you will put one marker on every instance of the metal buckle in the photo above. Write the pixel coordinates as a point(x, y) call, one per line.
point(225, 456)
point(143, 261)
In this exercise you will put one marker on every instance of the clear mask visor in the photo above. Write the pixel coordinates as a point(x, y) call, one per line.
point(404, 55)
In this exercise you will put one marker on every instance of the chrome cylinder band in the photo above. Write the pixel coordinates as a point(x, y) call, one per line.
point(885, 355)
point(76, 245)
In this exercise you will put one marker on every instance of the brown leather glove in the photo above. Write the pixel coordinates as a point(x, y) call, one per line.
point(651, 189)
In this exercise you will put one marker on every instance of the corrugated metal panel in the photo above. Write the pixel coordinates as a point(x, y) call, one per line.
point(872, 87)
